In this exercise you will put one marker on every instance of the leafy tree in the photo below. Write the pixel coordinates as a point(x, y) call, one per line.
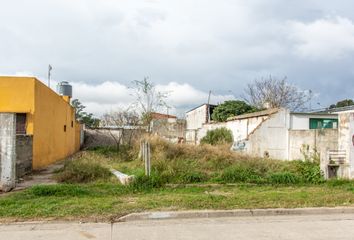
point(343, 103)
point(79, 108)
point(217, 136)
point(87, 118)
point(231, 108)
point(275, 93)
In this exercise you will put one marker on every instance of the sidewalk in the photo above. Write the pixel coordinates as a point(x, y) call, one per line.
point(294, 227)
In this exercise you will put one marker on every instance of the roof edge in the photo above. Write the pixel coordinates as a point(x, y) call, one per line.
point(254, 114)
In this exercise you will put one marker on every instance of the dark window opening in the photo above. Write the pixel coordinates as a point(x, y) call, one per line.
point(64, 128)
point(21, 119)
point(72, 123)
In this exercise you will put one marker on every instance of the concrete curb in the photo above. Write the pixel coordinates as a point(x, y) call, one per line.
point(233, 213)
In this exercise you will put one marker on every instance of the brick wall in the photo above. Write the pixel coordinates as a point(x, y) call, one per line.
point(24, 155)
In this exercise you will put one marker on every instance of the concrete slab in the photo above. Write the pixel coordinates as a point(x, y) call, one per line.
point(233, 213)
point(309, 227)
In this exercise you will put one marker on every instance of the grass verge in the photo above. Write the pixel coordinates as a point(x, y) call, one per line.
point(104, 201)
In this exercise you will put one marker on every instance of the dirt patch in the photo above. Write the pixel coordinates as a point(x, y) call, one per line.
point(43, 176)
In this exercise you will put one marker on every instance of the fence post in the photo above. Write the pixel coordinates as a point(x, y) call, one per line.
point(147, 158)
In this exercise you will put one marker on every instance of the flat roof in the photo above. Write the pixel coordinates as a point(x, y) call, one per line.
point(212, 105)
point(315, 114)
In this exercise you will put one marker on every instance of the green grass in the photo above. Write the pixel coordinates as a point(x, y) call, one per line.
point(89, 191)
point(107, 200)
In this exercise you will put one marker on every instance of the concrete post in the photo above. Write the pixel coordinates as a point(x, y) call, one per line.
point(7, 151)
point(351, 146)
point(147, 158)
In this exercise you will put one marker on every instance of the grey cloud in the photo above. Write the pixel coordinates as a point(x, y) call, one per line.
point(218, 45)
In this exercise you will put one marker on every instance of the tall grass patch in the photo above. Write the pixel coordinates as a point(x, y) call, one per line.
point(83, 171)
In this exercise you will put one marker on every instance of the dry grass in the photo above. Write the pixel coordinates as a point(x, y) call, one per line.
point(183, 163)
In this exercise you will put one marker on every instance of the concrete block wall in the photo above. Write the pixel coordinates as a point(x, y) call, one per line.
point(24, 155)
point(305, 142)
point(100, 137)
point(7, 151)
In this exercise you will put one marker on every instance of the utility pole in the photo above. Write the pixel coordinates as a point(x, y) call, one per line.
point(49, 70)
point(208, 107)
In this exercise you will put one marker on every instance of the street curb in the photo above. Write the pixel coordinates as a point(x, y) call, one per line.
point(148, 216)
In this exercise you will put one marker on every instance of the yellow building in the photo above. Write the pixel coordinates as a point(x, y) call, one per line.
point(45, 115)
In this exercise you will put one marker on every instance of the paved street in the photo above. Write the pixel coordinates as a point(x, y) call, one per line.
point(278, 227)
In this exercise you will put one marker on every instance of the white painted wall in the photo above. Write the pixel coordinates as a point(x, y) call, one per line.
point(271, 137)
point(240, 128)
point(196, 118)
point(302, 121)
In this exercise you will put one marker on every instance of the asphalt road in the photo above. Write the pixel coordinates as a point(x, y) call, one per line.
point(276, 227)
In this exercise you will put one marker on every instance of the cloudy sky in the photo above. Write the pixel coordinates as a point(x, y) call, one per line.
point(186, 47)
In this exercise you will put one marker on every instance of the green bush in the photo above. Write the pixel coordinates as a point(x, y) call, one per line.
point(218, 136)
point(83, 171)
point(142, 182)
point(309, 172)
point(283, 178)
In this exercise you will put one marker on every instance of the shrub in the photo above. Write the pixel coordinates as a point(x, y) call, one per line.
point(309, 172)
point(218, 136)
point(283, 178)
point(82, 171)
point(142, 182)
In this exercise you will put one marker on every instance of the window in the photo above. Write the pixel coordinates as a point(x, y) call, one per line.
point(321, 123)
point(72, 124)
point(21, 119)
point(64, 128)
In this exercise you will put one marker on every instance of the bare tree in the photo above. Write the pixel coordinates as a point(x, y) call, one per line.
point(123, 120)
point(274, 93)
point(147, 99)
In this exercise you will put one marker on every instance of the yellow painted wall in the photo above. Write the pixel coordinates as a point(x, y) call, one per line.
point(17, 96)
point(47, 114)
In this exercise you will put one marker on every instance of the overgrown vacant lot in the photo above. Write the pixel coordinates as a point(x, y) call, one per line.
point(183, 177)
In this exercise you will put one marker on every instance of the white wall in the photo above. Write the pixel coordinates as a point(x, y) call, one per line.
point(302, 121)
point(271, 137)
point(299, 122)
point(240, 128)
point(351, 148)
point(196, 118)
point(346, 139)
